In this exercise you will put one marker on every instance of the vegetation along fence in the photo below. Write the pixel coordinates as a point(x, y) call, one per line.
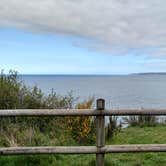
point(100, 149)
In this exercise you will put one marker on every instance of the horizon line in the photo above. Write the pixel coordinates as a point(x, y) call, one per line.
point(67, 74)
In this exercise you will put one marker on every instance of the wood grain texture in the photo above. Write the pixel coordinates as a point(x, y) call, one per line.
point(79, 112)
point(83, 149)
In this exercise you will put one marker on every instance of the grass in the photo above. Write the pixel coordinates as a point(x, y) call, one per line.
point(130, 135)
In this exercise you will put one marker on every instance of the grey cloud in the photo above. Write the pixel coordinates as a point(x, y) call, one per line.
point(115, 26)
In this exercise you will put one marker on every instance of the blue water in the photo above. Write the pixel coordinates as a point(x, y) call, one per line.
point(130, 91)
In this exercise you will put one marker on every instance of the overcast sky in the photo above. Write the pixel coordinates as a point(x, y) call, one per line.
point(83, 36)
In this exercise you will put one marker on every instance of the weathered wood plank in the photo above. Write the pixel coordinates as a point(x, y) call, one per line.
point(79, 112)
point(48, 150)
point(83, 149)
point(47, 112)
point(100, 131)
point(134, 148)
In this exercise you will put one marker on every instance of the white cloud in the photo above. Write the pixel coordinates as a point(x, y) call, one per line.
point(116, 26)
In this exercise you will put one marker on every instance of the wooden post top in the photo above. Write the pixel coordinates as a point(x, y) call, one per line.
point(100, 104)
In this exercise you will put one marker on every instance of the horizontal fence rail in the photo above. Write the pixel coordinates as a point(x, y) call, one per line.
point(83, 149)
point(100, 149)
point(80, 112)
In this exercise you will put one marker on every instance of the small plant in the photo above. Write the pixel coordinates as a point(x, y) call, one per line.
point(82, 128)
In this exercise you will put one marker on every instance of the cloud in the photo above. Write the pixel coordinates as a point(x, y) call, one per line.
point(115, 26)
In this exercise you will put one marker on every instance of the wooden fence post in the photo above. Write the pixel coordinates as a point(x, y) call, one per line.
point(100, 131)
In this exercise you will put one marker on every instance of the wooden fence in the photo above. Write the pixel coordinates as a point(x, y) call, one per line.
point(100, 149)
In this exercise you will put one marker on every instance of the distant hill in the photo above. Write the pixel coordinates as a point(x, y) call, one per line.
point(150, 73)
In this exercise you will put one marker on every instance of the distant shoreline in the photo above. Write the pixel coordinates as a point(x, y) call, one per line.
point(150, 73)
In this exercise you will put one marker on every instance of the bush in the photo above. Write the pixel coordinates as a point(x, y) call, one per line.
point(22, 130)
point(35, 131)
point(14, 94)
point(82, 128)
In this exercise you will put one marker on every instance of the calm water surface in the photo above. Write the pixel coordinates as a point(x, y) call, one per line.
point(132, 91)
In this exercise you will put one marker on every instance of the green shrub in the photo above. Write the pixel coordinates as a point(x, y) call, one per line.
point(82, 128)
point(30, 131)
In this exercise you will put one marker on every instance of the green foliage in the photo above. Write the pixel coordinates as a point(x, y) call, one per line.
point(130, 135)
point(56, 101)
point(14, 94)
point(137, 135)
point(30, 131)
point(9, 90)
point(22, 131)
point(37, 160)
point(82, 128)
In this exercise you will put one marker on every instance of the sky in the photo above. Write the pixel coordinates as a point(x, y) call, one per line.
point(83, 36)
